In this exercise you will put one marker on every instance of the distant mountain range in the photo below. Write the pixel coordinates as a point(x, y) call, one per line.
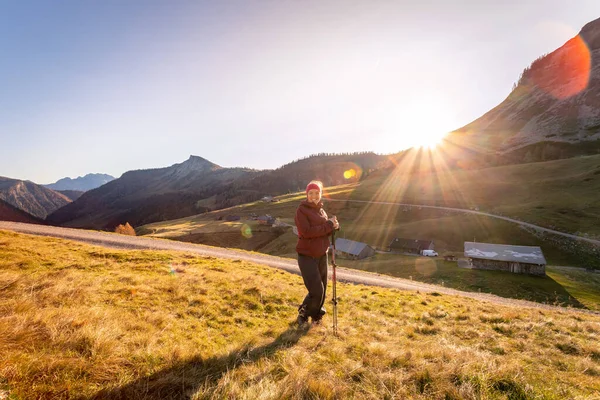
point(82, 183)
point(30, 197)
point(143, 196)
point(552, 112)
point(198, 185)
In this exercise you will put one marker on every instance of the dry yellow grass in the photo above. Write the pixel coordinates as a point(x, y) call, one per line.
point(207, 223)
point(185, 226)
point(79, 321)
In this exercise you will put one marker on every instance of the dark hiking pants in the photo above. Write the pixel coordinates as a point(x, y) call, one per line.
point(314, 274)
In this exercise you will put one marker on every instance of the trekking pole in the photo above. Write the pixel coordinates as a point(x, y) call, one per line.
point(334, 289)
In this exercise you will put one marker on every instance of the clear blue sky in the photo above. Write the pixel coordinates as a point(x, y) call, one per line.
point(113, 85)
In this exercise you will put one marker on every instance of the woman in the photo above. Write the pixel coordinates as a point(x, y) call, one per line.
point(314, 229)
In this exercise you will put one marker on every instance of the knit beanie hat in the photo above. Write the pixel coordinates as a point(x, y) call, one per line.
point(314, 185)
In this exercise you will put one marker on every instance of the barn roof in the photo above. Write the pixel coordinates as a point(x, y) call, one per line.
point(349, 246)
point(505, 252)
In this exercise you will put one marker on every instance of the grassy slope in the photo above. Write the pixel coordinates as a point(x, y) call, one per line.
point(379, 224)
point(561, 194)
point(581, 285)
point(79, 320)
point(562, 286)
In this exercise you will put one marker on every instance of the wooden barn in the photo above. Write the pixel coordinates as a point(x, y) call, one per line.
point(415, 246)
point(353, 250)
point(266, 220)
point(502, 257)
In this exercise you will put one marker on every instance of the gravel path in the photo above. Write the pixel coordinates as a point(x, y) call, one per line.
point(343, 274)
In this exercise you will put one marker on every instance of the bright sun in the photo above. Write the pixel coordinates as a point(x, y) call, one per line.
point(422, 125)
point(429, 141)
point(419, 136)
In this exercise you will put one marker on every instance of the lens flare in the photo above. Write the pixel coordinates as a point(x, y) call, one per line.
point(425, 266)
point(246, 231)
point(353, 171)
point(564, 73)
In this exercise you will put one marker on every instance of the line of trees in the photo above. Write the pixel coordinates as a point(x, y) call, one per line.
point(353, 154)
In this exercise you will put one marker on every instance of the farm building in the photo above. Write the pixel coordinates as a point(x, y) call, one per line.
point(354, 250)
point(266, 220)
point(414, 246)
point(502, 257)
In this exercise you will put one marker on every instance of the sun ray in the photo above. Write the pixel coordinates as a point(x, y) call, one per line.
point(393, 186)
point(450, 175)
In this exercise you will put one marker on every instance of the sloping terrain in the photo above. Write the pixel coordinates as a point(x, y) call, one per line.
point(11, 213)
point(30, 197)
point(556, 100)
point(155, 325)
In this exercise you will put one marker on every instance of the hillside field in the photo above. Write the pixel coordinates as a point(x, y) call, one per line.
point(80, 321)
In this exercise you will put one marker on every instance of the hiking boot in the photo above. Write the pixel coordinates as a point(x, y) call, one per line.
point(302, 317)
point(317, 321)
point(301, 320)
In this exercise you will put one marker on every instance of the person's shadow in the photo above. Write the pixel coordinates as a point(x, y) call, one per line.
point(182, 380)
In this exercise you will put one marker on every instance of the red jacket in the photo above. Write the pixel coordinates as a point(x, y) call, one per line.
point(313, 229)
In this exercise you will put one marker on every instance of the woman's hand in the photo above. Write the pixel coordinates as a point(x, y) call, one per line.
point(334, 221)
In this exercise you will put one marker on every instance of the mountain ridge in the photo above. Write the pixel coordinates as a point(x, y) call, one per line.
point(198, 185)
point(557, 99)
point(81, 183)
point(30, 197)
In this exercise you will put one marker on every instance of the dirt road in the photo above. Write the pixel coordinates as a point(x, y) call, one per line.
point(462, 210)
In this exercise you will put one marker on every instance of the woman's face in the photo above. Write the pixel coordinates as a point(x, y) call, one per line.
point(314, 196)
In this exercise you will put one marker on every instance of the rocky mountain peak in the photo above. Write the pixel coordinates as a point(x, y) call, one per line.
point(82, 183)
point(591, 34)
point(198, 161)
point(194, 164)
